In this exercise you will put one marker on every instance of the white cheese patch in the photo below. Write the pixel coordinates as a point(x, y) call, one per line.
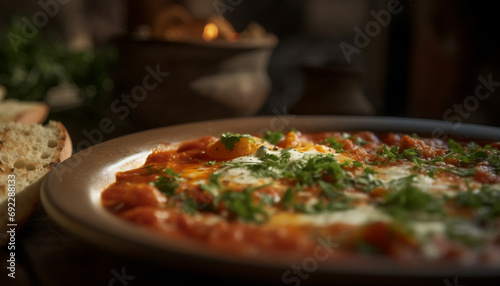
point(431, 250)
point(426, 229)
point(239, 174)
point(294, 154)
point(387, 174)
point(356, 195)
point(302, 156)
point(422, 182)
point(243, 176)
point(247, 159)
point(356, 216)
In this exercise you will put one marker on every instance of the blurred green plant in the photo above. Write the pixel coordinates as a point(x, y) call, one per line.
point(44, 61)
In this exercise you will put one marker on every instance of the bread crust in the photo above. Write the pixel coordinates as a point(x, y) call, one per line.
point(27, 198)
point(67, 145)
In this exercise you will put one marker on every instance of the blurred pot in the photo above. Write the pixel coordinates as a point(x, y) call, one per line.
point(333, 89)
point(206, 80)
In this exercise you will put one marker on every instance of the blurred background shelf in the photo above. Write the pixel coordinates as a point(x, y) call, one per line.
point(419, 61)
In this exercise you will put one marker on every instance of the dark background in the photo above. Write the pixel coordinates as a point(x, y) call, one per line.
point(423, 63)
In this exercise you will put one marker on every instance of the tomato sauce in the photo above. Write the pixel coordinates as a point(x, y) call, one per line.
point(166, 195)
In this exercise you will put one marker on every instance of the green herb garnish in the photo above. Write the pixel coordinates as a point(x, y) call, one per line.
point(334, 143)
point(167, 183)
point(242, 206)
point(213, 186)
point(463, 231)
point(231, 139)
point(392, 153)
point(288, 198)
point(405, 200)
point(473, 154)
point(367, 180)
point(273, 137)
point(356, 139)
point(189, 206)
point(151, 169)
point(485, 202)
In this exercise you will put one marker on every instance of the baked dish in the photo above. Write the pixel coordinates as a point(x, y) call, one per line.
point(329, 195)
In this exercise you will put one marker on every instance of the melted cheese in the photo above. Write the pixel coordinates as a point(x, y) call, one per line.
point(242, 176)
point(387, 174)
point(356, 216)
point(238, 173)
point(422, 182)
point(425, 229)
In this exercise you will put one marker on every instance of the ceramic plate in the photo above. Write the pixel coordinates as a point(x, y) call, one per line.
point(71, 195)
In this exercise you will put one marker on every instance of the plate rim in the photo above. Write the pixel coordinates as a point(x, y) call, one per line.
point(58, 210)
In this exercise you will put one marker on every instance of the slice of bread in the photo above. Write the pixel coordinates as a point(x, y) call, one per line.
point(23, 111)
point(27, 153)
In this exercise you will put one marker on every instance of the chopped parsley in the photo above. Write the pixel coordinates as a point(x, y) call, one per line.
point(266, 199)
point(189, 205)
point(171, 173)
point(312, 169)
point(152, 169)
point(330, 190)
point(288, 198)
point(367, 248)
point(367, 181)
point(392, 153)
point(494, 159)
point(307, 170)
point(473, 154)
point(356, 139)
point(242, 206)
point(401, 183)
point(230, 139)
point(316, 167)
point(405, 200)
point(462, 172)
point(410, 153)
point(466, 156)
point(485, 202)
point(455, 147)
point(323, 205)
point(271, 163)
point(167, 183)
point(273, 137)
point(463, 231)
point(334, 143)
point(213, 186)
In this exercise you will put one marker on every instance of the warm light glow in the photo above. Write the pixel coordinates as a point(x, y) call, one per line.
point(210, 32)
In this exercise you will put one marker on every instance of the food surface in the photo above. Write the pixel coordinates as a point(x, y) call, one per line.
point(401, 196)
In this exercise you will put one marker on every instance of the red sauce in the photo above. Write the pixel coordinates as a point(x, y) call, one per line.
point(136, 198)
